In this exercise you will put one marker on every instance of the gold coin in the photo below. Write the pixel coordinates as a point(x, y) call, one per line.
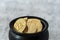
point(34, 25)
point(20, 24)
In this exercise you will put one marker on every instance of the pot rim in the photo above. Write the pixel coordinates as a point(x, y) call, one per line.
point(23, 34)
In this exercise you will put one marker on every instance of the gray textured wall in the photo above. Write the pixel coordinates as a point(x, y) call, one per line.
point(47, 9)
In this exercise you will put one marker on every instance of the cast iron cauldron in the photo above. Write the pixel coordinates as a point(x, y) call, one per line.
point(43, 35)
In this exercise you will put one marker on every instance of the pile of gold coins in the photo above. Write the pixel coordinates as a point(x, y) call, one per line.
point(26, 25)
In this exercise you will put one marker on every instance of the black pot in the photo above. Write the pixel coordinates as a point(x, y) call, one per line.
point(43, 35)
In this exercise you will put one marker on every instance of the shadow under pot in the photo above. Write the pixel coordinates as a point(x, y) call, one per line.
point(43, 35)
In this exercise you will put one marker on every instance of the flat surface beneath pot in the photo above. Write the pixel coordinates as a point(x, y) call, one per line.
point(47, 9)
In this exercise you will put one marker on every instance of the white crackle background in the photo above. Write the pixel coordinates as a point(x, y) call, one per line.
point(47, 9)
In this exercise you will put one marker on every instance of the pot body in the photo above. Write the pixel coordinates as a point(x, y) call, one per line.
point(43, 35)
